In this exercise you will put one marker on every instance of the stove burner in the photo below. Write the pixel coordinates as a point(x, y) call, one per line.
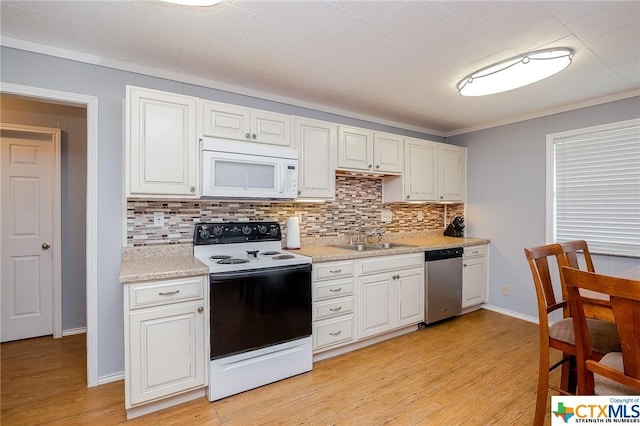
point(270, 253)
point(283, 257)
point(231, 261)
point(220, 256)
point(253, 253)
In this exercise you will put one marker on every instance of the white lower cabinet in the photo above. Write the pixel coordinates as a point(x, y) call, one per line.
point(358, 299)
point(393, 298)
point(474, 276)
point(333, 305)
point(165, 340)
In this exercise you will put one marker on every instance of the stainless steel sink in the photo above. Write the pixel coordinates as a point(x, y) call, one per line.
point(366, 247)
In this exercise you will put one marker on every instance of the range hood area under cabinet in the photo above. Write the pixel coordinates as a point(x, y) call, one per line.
point(163, 152)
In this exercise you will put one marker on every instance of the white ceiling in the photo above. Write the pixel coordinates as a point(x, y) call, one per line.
point(394, 61)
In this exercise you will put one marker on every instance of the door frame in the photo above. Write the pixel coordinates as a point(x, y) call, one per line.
point(91, 104)
point(54, 136)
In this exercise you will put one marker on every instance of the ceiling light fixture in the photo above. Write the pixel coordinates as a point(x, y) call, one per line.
point(516, 72)
point(202, 3)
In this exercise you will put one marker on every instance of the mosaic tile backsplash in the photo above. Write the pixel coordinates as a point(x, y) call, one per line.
point(358, 203)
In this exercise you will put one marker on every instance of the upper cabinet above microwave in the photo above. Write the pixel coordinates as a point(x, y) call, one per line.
point(239, 123)
point(161, 146)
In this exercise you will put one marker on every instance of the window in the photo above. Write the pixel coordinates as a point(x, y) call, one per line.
point(594, 176)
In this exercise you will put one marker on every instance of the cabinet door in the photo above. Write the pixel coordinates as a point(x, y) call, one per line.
point(162, 150)
point(225, 121)
point(167, 353)
point(451, 173)
point(388, 151)
point(473, 281)
point(270, 127)
point(375, 305)
point(355, 148)
point(316, 145)
point(420, 174)
point(410, 306)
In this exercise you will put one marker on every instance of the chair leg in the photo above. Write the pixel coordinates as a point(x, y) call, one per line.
point(543, 388)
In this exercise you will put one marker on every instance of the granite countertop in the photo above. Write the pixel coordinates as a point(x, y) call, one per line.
point(175, 261)
point(327, 253)
point(157, 263)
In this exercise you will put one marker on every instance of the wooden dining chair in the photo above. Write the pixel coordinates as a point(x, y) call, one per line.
point(616, 373)
point(575, 249)
point(559, 335)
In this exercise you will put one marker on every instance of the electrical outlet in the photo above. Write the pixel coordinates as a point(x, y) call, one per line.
point(298, 215)
point(420, 216)
point(158, 218)
point(505, 290)
point(386, 216)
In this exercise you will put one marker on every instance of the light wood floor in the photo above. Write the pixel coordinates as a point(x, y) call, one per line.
point(477, 369)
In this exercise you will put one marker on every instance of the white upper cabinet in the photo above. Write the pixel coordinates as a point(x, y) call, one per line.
point(433, 172)
point(366, 150)
point(355, 148)
point(161, 145)
point(388, 152)
point(316, 144)
point(451, 168)
point(233, 122)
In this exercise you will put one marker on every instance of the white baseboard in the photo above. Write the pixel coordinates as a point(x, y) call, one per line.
point(72, 331)
point(110, 378)
point(510, 313)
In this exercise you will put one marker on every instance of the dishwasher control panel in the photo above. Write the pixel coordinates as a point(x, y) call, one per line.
point(442, 254)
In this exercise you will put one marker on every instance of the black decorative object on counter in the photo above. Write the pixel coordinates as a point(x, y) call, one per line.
point(455, 228)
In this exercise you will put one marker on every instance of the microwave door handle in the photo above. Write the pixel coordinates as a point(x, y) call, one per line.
point(280, 177)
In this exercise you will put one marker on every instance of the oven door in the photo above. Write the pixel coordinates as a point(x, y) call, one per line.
point(258, 308)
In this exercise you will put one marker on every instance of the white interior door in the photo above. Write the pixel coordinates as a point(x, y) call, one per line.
point(28, 232)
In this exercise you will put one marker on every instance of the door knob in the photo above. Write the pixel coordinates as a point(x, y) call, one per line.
point(45, 246)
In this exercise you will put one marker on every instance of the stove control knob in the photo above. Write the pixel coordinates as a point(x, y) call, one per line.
point(235, 229)
point(262, 229)
point(273, 231)
point(217, 230)
point(246, 230)
point(204, 233)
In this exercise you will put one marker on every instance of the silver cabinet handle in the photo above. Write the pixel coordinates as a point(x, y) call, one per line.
point(370, 165)
point(335, 333)
point(408, 196)
point(335, 271)
point(299, 192)
point(335, 309)
point(247, 135)
point(192, 189)
point(200, 309)
point(378, 166)
point(46, 246)
point(465, 265)
point(335, 290)
point(169, 293)
point(253, 136)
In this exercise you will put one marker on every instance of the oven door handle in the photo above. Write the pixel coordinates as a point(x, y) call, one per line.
point(221, 276)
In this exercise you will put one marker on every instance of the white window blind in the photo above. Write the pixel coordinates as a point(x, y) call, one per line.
point(597, 189)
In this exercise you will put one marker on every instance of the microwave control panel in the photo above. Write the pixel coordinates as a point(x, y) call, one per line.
point(291, 179)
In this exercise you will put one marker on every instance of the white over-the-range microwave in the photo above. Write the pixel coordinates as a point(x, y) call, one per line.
point(234, 169)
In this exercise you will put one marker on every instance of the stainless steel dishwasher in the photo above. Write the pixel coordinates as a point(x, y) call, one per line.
point(443, 284)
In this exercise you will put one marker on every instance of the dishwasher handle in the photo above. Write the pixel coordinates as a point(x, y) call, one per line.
point(442, 254)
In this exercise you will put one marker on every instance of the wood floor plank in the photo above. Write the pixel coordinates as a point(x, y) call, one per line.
point(477, 369)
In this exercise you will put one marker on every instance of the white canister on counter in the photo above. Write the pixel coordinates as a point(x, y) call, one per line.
point(293, 233)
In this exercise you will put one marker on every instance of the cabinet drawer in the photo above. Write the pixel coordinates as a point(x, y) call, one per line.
point(333, 307)
point(163, 292)
point(325, 271)
point(329, 289)
point(333, 331)
point(473, 251)
point(390, 263)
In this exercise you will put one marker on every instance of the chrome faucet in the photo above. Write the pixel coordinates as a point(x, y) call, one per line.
point(372, 233)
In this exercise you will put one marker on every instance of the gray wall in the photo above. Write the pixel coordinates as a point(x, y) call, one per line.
point(506, 196)
point(42, 71)
point(73, 175)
